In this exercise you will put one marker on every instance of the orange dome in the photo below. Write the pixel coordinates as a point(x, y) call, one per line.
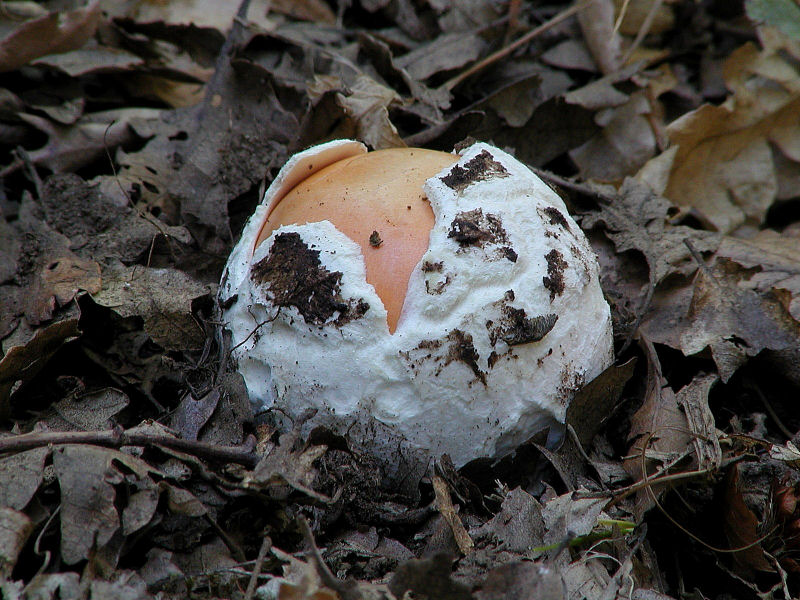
point(376, 199)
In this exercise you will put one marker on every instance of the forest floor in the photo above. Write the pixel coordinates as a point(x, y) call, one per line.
point(137, 137)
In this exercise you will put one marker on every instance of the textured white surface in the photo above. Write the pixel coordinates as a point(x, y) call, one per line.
point(459, 374)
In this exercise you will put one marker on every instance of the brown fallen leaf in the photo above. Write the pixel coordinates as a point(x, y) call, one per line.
point(638, 219)
point(57, 282)
point(636, 13)
point(721, 163)
point(23, 361)
point(742, 527)
point(693, 400)
point(88, 516)
point(21, 475)
point(774, 261)
point(161, 297)
point(206, 14)
point(366, 102)
point(518, 526)
point(444, 53)
point(429, 577)
point(597, 24)
point(70, 147)
point(282, 467)
point(659, 432)
point(522, 580)
point(15, 527)
point(734, 322)
point(54, 33)
point(624, 144)
point(306, 10)
point(594, 404)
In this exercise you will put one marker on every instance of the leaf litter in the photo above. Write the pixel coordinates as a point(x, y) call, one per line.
point(135, 138)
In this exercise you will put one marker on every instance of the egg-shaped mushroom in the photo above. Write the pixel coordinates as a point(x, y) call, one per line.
point(420, 302)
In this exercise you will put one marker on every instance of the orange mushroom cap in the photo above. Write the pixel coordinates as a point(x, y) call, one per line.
point(375, 199)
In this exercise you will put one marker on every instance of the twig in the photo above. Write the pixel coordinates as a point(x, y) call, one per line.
point(503, 52)
point(448, 511)
point(770, 410)
point(235, 549)
point(573, 186)
point(266, 544)
point(644, 29)
point(117, 437)
point(698, 258)
point(30, 170)
point(348, 589)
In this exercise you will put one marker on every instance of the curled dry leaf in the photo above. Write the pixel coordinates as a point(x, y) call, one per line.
point(57, 282)
point(282, 466)
point(23, 361)
point(15, 527)
point(742, 526)
point(659, 433)
point(597, 25)
point(732, 321)
point(86, 477)
point(70, 147)
point(53, 33)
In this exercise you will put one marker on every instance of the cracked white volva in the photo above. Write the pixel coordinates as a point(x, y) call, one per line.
point(458, 376)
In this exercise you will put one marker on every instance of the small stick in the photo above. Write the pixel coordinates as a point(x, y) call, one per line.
point(448, 511)
point(503, 52)
point(266, 544)
point(347, 590)
point(117, 437)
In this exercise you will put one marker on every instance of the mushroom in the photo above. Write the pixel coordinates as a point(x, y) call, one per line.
point(419, 302)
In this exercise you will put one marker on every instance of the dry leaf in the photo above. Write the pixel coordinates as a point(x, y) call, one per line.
point(281, 465)
point(15, 527)
point(693, 400)
point(742, 526)
point(444, 53)
point(597, 23)
point(638, 219)
point(21, 475)
point(724, 166)
point(367, 102)
point(734, 323)
point(624, 144)
point(53, 33)
point(22, 362)
point(70, 147)
point(636, 12)
point(595, 402)
point(213, 14)
point(161, 297)
point(774, 262)
point(89, 518)
point(57, 282)
point(429, 577)
point(659, 431)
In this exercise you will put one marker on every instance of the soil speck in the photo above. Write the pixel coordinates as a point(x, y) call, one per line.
point(555, 273)
point(479, 168)
point(294, 276)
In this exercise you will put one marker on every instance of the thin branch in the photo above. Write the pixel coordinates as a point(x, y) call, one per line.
point(503, 52)
point(445, 505)
point(266, 544)
point(116, 438)
point(348, 589)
